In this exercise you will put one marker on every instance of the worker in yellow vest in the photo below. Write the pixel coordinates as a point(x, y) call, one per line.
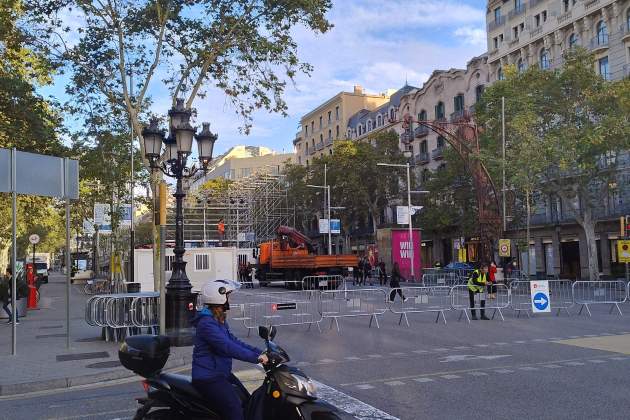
point(477, 285)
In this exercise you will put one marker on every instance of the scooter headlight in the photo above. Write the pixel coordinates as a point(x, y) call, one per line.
point(304, 385)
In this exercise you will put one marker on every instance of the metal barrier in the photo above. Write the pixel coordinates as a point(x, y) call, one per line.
point(610, 292)
point(335, 304)
point(440, 278)
point(460, 301)
point(520, 296)
point(561, 295)
point(327, 282)
point(123, 314)
point(280, 308)
point(421, 300)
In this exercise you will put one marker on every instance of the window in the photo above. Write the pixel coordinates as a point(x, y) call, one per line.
point(424, 148)
point(572, 40)
point(479, 92)
point(518, 4)
point(312, 127)
point(330, 151)
point(537, 20)
point(497, 14)
point(544, 16)
point(306, 130)
point(392, 115)
point(337, 132)
point(422, 116)
point(440, 142)
point(501, 39)
point(628, 20)
point(515, 32)
point(603, 68)
point(360, 131)
point(439, 111)
point(329, 117)
point(337, 113)
point(329, 134)
point(349, 133)
point(602, 33)
point(458, 102)
point(521, 27)
point(321, 119)
point(496, 42)
point(202, 262)
point(321, 138)
point(369, 125)
point(500, 74)
point(379, 121)
point(299, 160)
point(313, 143)
point(544, 59)
point(520, 65)
point(168, 262)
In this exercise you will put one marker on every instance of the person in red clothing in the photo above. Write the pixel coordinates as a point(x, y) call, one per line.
point(221, 230)
point(492, 281)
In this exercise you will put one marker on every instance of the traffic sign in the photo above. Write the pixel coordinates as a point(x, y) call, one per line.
point(623, 250)
point(504, 247)
point(540, 296)
point(34, 239)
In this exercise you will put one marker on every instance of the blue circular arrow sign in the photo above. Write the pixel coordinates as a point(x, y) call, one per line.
point(541, 301)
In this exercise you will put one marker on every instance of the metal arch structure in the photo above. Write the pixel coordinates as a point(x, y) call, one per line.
point(463, 136)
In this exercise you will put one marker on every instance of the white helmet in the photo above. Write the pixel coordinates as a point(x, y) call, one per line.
point(215, 292)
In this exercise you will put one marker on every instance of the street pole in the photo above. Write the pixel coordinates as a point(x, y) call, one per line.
point(162, 265)
point(503, 141)
point(68, 253)
point(325, 201)
point(13, 252)
point(238, 242)
point(132, 232)
point(204, 222)
point(329, 224)
point(413, 274)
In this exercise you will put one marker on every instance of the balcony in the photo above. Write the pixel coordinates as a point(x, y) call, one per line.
point(536, 32)
point(590, 3)
point(500, 21)
point(438, 154)
point(420, 131)
point(625, 31)
point(319, 146)
point(328, 141)
point(599, 43)
point(565, 17)
point(513, 42)
point(421, 158)
point(458, 116)
point(517, 11)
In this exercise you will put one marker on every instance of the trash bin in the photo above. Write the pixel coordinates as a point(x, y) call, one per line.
point(133, 287)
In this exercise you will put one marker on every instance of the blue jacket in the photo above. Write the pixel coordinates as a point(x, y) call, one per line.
point(215, 347)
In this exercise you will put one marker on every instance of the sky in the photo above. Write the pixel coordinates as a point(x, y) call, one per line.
point(376, 44)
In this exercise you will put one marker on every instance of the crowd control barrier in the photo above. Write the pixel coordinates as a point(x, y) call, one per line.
point(435, 299)
point(561, 295)
point(520, 296)
point(440, 278)
point(280, 309)
point(460, 301)
point(586, 293)
point(123, 314)
point(335, 304)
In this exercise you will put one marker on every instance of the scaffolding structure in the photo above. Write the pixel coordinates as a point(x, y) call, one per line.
point(252, 208)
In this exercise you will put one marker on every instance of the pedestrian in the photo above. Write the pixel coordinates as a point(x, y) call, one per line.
point(367, 268)
point(382, 273)
point(7, 300)
point(492, 280)
point(248, 275)
point(360, 271)
point(355, 275)
point(394, 283)
point(221, 230)
point(477, 285)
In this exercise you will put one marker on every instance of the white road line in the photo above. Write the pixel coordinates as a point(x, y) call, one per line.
point(519, 342)
point(481, 345)
point(351, 405)
point(423, 380)
point(375, 356)
point(504, 371)
point(450, 376)
point(618, 358)
point(394, 383)
point(420, 351)
point(597, 361)
point(574, 364)
point(528, 368)
point(552, 366)
point(327, 361)
point(399, 353)
point(365, 386)
point(91, 415)
point(352, 358)
point(477, 373)
point(500, 344)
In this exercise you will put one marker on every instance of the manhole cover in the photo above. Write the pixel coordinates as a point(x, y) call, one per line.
point(103, 365)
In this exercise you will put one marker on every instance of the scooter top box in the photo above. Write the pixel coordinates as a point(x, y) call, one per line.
point(145, 354)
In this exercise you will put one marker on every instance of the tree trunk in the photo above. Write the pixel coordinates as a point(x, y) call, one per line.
point(591, 245)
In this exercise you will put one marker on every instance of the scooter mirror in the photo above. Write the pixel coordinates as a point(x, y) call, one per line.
point(263, 332)
point(272, 332)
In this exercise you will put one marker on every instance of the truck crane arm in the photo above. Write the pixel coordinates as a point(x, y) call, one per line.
point(297, 237)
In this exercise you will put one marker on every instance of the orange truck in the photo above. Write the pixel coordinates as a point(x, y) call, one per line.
point(291, 257)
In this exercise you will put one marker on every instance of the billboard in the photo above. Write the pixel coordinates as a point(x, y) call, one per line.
point(401, 251)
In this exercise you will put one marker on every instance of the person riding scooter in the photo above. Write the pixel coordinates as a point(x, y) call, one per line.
point(215, 347)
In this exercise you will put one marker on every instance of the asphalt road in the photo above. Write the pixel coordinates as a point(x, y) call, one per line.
point(546, 367)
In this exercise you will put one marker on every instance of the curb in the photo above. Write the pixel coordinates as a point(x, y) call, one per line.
point(73, 381)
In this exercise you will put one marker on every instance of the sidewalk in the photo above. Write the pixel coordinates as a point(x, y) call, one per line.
point(44, 362)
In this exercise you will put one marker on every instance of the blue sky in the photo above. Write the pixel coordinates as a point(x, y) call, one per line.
point(376, 44)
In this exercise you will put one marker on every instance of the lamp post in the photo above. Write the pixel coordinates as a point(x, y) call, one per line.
point(180, 302)
point(327, 190)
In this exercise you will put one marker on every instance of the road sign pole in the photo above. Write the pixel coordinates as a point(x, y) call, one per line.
point(13, 252)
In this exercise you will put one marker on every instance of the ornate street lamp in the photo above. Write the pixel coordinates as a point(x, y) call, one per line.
point(180, 302)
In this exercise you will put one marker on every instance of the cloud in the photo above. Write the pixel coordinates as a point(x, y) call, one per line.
point(472, 36)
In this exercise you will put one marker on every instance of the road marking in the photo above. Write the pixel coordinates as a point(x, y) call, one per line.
point(420, 351)
point(375, 356)
point(538, 339)
point(327, 361)
point(519, 342)
point(440, 349)
point(462, 348)
point(596, 361)
point(618, 358)
point(399, 353)
point(450, 376)
point(556, 339)
point(528, 368)
point(394, 383)
point(552, 366)
point(574, 364)
point(477, 373)
point(504, 371)
point(351, 405)
point(352, 358)
point(365, 386)
point(500, 344)
point(481, 345)
point(423, 380)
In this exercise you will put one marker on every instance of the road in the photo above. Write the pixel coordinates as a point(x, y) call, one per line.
point(550, 367)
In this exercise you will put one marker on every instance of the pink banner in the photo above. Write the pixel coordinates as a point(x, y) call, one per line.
point(401, 252)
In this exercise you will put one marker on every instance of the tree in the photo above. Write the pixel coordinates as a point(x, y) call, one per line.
point(566, 130)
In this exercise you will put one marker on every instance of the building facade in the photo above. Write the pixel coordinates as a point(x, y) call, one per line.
point(328, 122)
point(537, 33)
